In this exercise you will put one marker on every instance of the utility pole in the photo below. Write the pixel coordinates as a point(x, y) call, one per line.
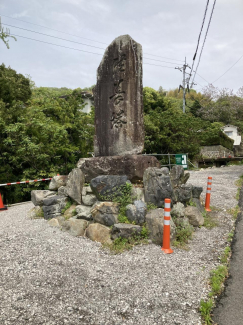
point(185, 82)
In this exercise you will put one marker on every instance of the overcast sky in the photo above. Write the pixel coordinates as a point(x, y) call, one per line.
point(168, 29)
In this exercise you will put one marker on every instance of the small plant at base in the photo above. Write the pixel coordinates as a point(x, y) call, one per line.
point(39, 214)
point(184, 232)
point(151, 206)
point(192, 204)
point(218, 277)
point(209, 221)
point(205, 309)
point(67, 206)
point(230, 236)
point(225, 255)
point(119, 245)
point(234, 212)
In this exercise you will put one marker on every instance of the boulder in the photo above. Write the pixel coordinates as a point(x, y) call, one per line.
point(105, 213)
point(183, 193)
point(198, 204)
point(194, 216)
point(62, 191)
point(83, 212)
point(89, 199)
point(178, 210)
point(35, 213)
point(56, 199)
point(86, 190)
point(106, 188)
point(137, 193)
point(157, 186)
point(124, 230)
point(136, 212)
point(54, 223)
point(196, 191)
point(52, 211)
point(56, 182)
point(70, 212)
point(75, 184)
point(155, 226)
point(37, 196)
point(178, 176)
point(133, 166)
point(99, 233)
point(75, 227)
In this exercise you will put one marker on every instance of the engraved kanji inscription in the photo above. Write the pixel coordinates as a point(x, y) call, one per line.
point(118, 119)
point(118, 95)
point(119, 63)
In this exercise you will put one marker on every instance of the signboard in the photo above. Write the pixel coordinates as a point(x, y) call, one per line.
point(181, 159)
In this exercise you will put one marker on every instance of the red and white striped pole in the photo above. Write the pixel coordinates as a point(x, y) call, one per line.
point(166, 232)
point(208, 194)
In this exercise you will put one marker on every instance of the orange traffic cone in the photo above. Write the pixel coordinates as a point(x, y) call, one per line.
point(2, 206)
point(166, 232)
point(208, 194)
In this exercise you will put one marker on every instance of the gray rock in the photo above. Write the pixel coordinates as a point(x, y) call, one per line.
point(75, 185)
point(178, 176)
point(196, 191)
point(51, 211)
point(136, 212)
point(99, 233)
point(155, 226)
point(183, 193)
point(75, 227)
point(56, 199)
point(56, 182)
point(194, 216)
point(62, 191)
point(157, 186)
point(198, 204)
point(83, 212)
point(107, 187)
point(123, 230)
point(105, 213)
point(54, 223)
point(86, 190)
point(137, 193)
point(178, 210)
point(37, 196)
point(89, 199)
point(118, 97)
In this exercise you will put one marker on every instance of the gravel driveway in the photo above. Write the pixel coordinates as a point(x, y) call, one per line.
point(49, 277)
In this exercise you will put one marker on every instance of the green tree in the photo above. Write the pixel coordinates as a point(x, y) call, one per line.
point(5, 34)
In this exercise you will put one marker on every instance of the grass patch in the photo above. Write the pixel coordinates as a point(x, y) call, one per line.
point(120, 245)
point(67, 206)
point(184, 232)
point(230, 236)
point(209, 221)
point(234, 211)
point(39, 214)
point(151, 206)
point(205, 310)
point(225, 256)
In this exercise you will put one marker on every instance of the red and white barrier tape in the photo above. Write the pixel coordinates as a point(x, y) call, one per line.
point(26, 182)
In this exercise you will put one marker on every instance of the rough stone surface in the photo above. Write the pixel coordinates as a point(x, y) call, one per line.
point(51, 211)
point(178, 210)
point(107, 187)
point(105, 213)
point(157, 186)
point(137, 193)
point(54, 223)
point(83, 212)
point(198, 204)
point(57, 181)
point(75, 184)
point(62, 191)
point(99, 233)
point(197, 191)
point(118, 97)
point(133, 166)
point(89, 199)
point(155, 226)
point(178, 176)
point(136, 212)
point(183, 193)
point(56, 199)
point(75, 227)
point(194, 216)
point(37, 196)
point(70, 212)
point(124, 230)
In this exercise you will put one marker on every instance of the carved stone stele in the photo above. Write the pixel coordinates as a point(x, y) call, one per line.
point(118, 95)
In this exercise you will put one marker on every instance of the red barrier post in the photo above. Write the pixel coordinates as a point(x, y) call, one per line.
point(166, 232)
point(208, 194)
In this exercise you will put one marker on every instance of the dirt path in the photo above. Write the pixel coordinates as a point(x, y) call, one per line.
point(49, 277)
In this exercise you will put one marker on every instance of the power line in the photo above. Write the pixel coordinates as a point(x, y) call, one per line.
point(203, 42)
point(228, 69)
point(71, 48)
point(64, 39)
point(75, 36)
point(194, 57)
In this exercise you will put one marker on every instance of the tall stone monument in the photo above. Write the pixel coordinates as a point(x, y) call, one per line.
point(118, 94)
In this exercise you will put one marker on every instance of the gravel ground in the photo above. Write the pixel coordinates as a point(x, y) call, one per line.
point(49, 277)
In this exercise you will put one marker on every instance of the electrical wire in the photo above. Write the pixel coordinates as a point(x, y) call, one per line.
point(228, 69)
point(76, 36)
point(71, 48)
point(194, 57)
point(203, 42)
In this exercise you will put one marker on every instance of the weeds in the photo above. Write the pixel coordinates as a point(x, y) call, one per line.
point(120, 245)
point(225, 256)
point(230, 236)
point(67, 206)
point(151, 206)
point(205, 309)
point(184, 232)
point(234, 211)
